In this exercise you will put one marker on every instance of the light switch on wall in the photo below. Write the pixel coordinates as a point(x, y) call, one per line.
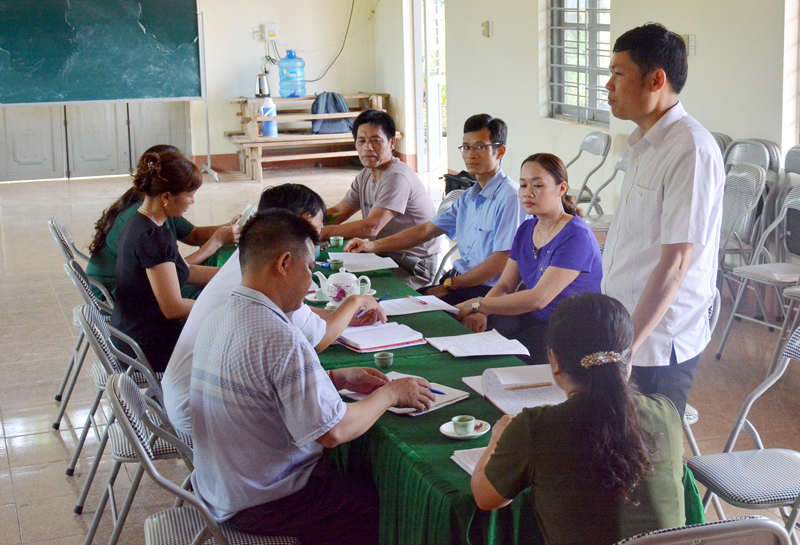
point(487, 29)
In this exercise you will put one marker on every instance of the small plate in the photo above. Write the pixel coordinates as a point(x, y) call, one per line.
point(312, 298)
point(370, 292)
point(481, 427)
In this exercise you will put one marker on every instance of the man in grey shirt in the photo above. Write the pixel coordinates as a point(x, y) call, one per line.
point(389, 195)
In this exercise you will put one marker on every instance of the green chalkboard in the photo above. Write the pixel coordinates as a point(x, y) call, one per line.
point(82, 50)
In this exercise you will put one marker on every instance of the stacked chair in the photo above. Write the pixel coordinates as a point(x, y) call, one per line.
point(753, 530)
point(596, 143)
point(601, 222)
point(722, 140)
point(188, 525)
point(446, 204)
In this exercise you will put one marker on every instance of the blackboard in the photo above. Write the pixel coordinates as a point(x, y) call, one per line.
point(55, 51)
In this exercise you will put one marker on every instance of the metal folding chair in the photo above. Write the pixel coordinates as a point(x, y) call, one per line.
point(446, 204)
point(596, 143)
point(745, 530)
point(722, 141)
point(766, 274)
point(764, 478)
point(601, 222)
point(180, 525)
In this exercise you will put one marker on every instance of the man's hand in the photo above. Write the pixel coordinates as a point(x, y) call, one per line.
point(374, 312)
point(359, 246)
point(438, 291)
point(363, 380)
point(476, 322)
point(465, 309)
point(411, 392)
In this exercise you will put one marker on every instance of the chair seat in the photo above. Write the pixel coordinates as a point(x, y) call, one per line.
point(599, 224)
point(770, 273)
point(792, 292)
point(690, 415)
point(100, 376)
point(752, 478)
point(122, 449)
point(585, 198)
point(180, 526)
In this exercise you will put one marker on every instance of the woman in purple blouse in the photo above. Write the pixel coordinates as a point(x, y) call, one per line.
point(554, 254)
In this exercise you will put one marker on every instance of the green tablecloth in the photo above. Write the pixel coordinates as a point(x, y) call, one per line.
point(425, 496)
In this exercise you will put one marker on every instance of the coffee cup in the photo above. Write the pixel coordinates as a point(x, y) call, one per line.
point(463, 424)
point(384, 360)
point(336, 264)
point(337, 241)
point(321, 295)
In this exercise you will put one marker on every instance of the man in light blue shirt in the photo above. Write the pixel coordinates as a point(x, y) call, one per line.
point(484, 219)
point(263, 408)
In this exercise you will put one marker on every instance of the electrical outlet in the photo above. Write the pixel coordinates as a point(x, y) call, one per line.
point(487, 29)
point(257, 35)
point(270, 31)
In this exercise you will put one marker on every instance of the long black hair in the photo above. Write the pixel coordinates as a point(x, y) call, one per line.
point(591, 335)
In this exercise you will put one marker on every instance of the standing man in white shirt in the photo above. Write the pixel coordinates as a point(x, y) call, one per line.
point(660, 257)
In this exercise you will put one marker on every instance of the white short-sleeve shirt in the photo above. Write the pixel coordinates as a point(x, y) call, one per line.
point(177, 377)
point(672, 193)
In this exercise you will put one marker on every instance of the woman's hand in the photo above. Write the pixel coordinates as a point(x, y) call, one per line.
point(500, 426)
point(476, 322)
point(465, 308)
point(359, 246)
point(226, 234)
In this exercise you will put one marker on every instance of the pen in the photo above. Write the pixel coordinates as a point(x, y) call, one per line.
point(526, 386)
point(420, 301)
point(323, 265)
point(437, 392)
point(362, 312)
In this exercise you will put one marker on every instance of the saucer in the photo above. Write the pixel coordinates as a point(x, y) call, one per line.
point(370, 292)
point(312, 298)
point(482, 427)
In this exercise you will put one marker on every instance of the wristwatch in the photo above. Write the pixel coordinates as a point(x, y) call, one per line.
point(476, 306)
point(448, 282)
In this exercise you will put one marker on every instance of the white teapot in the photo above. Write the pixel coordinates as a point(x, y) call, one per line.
point(342, 284)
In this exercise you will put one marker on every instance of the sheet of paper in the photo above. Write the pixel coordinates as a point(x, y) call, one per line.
point(467, 459)
point(513, 401)
point(376, 337)
point(408, 305)
point(488, 343)
point(357, 263)
point(248, 211)
point(451, 395)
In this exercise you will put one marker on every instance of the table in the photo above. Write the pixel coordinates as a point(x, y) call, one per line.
point(425, 496)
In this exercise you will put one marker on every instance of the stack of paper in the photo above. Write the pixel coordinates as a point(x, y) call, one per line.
point(511, 389)
point(377, 337)
point(356, 263)
point(488, 343)
point(248, 211)
point(413, 305)
point(449, 396)
point(467, 459)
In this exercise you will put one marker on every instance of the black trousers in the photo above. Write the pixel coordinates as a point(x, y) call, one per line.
point(458, 296)
point(673, 381)
point(332, 509)
point(532, 333)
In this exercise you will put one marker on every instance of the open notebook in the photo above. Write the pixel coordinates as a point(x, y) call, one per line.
point(378, 337)
point(467, 459)
point(451, 395)
point(508, 387)
point(488, 343)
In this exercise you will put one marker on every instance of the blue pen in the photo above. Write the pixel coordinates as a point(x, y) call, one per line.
point(362, 312)
point(323, 265)
point(437, 392)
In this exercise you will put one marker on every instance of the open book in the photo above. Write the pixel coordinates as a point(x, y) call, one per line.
point(378, 337)
point(414, 305)
point(358, 263)
point(511, 389)
point(467, 459)
point(450, 396)
point(488, 343)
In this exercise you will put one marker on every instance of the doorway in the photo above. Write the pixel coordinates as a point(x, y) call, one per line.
point(431, 84)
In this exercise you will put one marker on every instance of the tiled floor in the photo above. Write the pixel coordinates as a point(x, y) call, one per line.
point(36, 301)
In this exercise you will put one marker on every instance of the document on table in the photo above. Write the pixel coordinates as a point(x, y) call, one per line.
point(451, 395)
point(505, 387)
point(413, 305)
point(377, 337)
point(356, 263)
point(467, 459)
point(488, 343)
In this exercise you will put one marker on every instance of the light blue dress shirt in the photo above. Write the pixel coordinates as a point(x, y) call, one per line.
point(483, 221)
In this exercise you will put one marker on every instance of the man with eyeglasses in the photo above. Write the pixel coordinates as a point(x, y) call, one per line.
point(391, 199)
point(484, 219)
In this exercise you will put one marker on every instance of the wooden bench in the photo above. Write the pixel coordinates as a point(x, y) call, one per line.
point(296, 142)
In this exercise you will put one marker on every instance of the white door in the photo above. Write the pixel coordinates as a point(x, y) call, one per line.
point(431, 70)
point(31, 143)
point(155, 123)
point(97, 139)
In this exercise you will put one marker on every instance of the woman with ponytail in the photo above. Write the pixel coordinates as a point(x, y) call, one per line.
point(607, 463)
point(150, 271)
point(103, 249)
point(555, 255)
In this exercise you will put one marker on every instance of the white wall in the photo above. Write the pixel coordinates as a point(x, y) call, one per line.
point(736, 81)
point(315, 28)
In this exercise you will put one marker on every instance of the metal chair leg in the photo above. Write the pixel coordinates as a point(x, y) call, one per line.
point(739, 297)
point(75, 372)
point(87, 484)
point(126, 505)
point(101, 506)
point(70, 365)
point(90, 422)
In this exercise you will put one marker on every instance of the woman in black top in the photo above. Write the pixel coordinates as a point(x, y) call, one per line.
point(150, 271)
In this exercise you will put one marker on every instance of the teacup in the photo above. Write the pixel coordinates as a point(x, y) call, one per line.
point(364, 287)
point(321, 295)
point(384, 360)
point(336, 264)
point(337, 241)
point(463, 424)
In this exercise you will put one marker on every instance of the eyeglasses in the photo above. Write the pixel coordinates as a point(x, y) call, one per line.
point(480, 148)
